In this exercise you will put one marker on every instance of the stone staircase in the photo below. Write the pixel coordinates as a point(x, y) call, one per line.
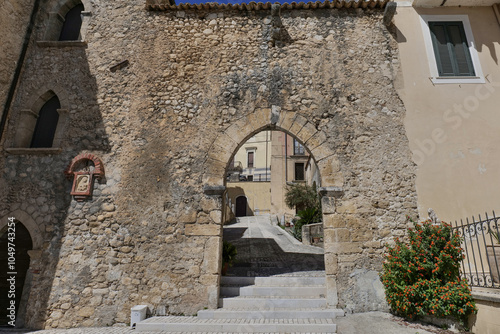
point(276, 304)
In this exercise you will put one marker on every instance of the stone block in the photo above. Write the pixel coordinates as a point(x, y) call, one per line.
point(239, 130)
point(317, 139)
point(213, 179)
point(328, 165)
point(298, 124)
point(343, 247)
point(203, 229)
point(328, 205)
point(186, 217)
point(216, 216)
point(212, 256)
point(331, 264)
point(286, 120)
point(208, 204)
point(362, 235)
point(333, 221)
point(86, 311)
point(342, 235)
point(332, 298)
point(353, 222)
point(307, 131)
point(346, 206)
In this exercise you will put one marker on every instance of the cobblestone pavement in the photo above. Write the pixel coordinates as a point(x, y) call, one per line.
point(267, 250)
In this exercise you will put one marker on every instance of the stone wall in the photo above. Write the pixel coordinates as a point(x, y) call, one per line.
point(197, 84)
point(14, 18)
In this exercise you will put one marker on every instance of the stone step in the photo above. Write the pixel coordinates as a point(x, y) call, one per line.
point(273, 281)
point(297, 291)
point(277, 313)
point(251, 303)
point(194, 324)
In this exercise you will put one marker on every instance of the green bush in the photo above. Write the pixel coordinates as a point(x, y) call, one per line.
point(229, 253)
point(301, 196)
point(307, 216)
point(423, 277)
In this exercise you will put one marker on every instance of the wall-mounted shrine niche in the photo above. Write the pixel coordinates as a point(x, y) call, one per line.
point(83, 170)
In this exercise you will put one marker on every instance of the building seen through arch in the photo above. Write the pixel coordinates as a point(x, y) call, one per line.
point(261, 169)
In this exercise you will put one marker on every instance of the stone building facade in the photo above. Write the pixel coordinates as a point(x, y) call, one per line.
point(163, 96)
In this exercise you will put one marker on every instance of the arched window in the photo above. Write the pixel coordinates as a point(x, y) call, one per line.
point(72, 24)
point(46, 124)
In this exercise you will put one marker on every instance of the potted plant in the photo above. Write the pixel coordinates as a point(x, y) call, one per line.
point(229, 253)
point(493, 254)
point(316, 238)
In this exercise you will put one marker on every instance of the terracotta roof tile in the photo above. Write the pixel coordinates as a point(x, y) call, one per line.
point(165, 5)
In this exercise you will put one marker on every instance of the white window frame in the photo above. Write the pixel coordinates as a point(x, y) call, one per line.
point(435, 78)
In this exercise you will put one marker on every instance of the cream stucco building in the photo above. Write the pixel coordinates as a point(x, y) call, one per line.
point(449, 82)
point(452, 120)
point(260, 171)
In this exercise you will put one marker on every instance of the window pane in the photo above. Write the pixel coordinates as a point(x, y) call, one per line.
point(298, 148)
point(46, 125)
point(299, 172)
point(72, 24)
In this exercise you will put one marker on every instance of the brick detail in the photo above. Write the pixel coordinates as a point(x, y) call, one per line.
point(98, 165)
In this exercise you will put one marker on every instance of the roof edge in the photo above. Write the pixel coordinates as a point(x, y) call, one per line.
point(169, 5)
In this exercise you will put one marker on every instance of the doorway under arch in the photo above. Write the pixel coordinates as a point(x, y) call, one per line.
point(20, 239)
point(241, 206)
point(259, 196)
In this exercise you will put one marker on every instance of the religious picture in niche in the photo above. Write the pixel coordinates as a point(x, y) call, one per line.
point(84, 169)
point(82, 183)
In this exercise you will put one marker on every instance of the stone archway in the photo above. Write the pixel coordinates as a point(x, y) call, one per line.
point(30, 243)
point(293, 123)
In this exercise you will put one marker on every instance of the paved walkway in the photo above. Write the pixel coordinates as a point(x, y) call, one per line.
point(267, 250)
point(361, 323)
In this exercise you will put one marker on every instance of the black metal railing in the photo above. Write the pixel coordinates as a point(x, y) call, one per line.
point(481, 264)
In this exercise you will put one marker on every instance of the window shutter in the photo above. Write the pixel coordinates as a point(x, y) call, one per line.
point(460, 49)
point(440, 43)
point(250, 159)
point(451, 49)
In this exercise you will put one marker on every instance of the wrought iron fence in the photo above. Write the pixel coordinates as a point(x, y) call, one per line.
point(480, 244)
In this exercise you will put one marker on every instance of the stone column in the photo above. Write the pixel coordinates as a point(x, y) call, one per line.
point(330, 226)
point(213, 248)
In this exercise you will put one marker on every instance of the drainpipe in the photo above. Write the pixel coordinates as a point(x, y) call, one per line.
point(497, 12)
point(286, 158)
point(19, 66)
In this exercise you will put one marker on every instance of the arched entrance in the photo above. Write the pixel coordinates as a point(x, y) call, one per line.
point(14, 269)
point(241, 206)
point(320, 148)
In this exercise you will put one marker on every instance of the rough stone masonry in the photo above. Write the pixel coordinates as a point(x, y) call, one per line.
point(196, 83)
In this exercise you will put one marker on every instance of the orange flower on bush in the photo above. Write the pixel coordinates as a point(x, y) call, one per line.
point(434, 286)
